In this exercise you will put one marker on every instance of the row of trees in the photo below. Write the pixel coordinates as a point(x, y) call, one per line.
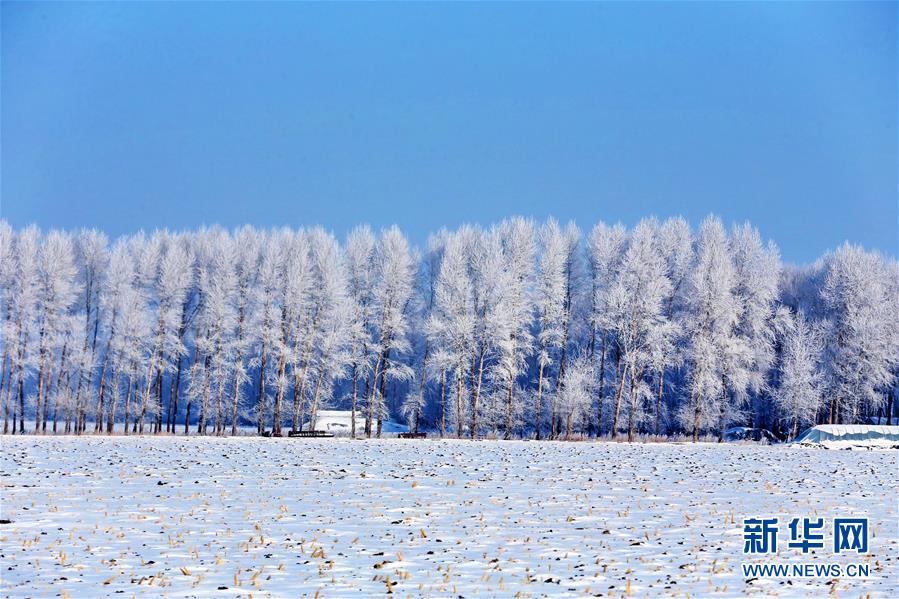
point(513, 330)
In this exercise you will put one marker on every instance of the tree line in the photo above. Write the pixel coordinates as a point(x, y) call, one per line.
point(518, 329)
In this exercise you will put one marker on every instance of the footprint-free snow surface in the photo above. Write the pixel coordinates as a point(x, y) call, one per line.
point(200, 517)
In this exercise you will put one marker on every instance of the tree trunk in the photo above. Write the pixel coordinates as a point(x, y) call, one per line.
point(659, 402)
point(889, 409)
point(602, 386)
point(241, 316)
point(476, 396)
point(556, 428)
point(633, 414)
point(302, 400)
point(279, 397)
point(145, 399)
point(190, 399)
point(508, 434)
point(7, 385)
point(235, 396)
point(21, 400)
point(220, 410)
point(38, 415)
point(539, 401)
point(696, 415)
point(174, 395)
point(382, 396)
point(101, 396)
point(81, 412)
point(422, 379)
point(79, 409)
point(460, 381)
point(260, 409)
point(10, 407)
point(299, 399)
point(110, 420)
point(128, 397)
point(46, 411)
point(442, 403)
point(369, 400)
point(618, 393)
point(353, 407)
point(62, 372)
point(204, 405)
point(722, 422)
point(313, 410)
point(556, 424)
point(20, 379)
point(157, 412)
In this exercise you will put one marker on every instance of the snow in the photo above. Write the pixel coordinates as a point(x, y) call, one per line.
point(183, 517)
point(339, 423)
point(850, 435)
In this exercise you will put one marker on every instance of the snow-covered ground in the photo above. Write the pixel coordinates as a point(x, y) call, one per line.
point(190, 517)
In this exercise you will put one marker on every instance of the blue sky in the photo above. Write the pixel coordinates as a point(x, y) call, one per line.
point(144, 115)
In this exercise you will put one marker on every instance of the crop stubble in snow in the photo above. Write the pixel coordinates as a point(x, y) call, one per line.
point(285, 517)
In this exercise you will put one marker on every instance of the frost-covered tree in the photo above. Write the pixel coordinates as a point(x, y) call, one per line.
point(713, 347)
point(394, 274)
point(555, 288)
point(676, 244)
point(757, 276)
point(893, 295)
point(573, 280)
point(514, 314)
point(92, 257)
point(246, 270)
point(57, 291)
point(329, 318)
point(59, 390)
point(638, 315)
point(799, 394)
point(268, 320)
point(117, 301)
point(423, 303)
point(133, 333)
point(7, 328)
point(864, 352)
point(186, 314)
point(166, 275)
point(216, 319)
point(297, 332)
point(605, 249)
point(360, 254)
point(487, 270)
point(23, 297)
point(440, 368)
point(452, 324)
point(576, 393)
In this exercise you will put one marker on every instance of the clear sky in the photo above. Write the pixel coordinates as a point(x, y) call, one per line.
point(141, 115)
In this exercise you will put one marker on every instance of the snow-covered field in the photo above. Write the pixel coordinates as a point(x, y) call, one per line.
point(188, 517)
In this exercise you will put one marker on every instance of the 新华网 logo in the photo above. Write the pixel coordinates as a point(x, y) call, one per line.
point(846, 536)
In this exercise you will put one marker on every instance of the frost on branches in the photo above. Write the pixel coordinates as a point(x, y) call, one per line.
point(517, 329)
